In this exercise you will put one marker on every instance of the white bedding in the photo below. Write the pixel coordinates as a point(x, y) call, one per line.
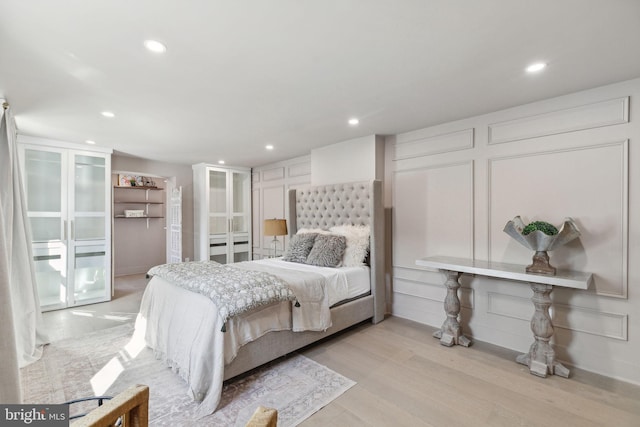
point(342, 283)
point(184, 330)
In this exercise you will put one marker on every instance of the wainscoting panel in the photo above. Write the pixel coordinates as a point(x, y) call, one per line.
point(299, 169)
point(273, 207)
point(255, 219)
point(588, 184)
point(406, 147)
point(273, 174)
point(571, 156)
point(419, 310)
point(428, 291)
point(509, 306)
point(610, 325)
point(276, 180)
point(439, 217)
point(427, 284)
point(604, 113)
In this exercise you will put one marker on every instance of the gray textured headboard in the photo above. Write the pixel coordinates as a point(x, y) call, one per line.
point(357, 203)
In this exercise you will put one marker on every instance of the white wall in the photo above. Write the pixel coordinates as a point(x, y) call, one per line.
point(454, 186)
point(354, 160)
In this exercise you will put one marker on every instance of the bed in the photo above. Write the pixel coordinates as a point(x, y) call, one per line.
point(188, 334)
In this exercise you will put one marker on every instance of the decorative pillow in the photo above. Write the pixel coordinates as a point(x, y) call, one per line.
point(357, 243)
point(299, 247)
point(312, 230)
point(327, 250)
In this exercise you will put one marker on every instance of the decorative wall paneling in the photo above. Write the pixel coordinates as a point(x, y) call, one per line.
point(567, 181)
point(274, 174)
point(271, 184)
point(302, 169)
point(256, 220)
point(601, 323)
point(568, 156)
point(441, 197)
point(604, 113)
point(406, 147)
point(273, 206)
point(429, 286)
point(509, 306)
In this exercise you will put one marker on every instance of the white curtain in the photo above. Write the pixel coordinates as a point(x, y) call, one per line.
point(21, 336)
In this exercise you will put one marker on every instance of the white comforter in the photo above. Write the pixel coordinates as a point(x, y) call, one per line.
point(184, 330)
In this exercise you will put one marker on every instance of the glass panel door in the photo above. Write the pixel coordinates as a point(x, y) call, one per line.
point(218, 219)
point(89, 273)
point(240, 215)
point(89, 263)
point(68, 207)
point(217, 202)
point(51, 278)
point(89, 183)
point(45, 184)
point(44, 193)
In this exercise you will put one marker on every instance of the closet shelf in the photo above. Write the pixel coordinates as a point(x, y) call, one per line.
point(137, 202)
point(149, 202)
point(136, 217)
point(138, 188)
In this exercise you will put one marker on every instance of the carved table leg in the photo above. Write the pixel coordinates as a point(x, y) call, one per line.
point(450, 332)
point(541, 358)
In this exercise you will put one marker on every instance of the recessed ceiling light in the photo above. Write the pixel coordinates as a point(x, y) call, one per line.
point(90, 142)
point(269, 147)
point(155, 46)
point(354, 121)
point(534, 68)
point(108, 114)
point(221, 162)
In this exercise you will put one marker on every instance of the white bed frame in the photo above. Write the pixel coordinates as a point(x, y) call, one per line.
point(358, 203)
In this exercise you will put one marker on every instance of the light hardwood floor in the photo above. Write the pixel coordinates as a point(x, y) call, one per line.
point(406, 378)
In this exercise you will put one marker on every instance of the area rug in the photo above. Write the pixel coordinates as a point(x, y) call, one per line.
point(107, 362)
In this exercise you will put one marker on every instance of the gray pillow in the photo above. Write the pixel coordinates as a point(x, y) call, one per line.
point(299, 247)
point(327, 250)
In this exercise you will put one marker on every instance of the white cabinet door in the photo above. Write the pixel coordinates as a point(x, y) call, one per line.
point(175, 226)
point(240, 214)
point(89, 228)
point(45, 181)
point(222, 211)
point(68, 204)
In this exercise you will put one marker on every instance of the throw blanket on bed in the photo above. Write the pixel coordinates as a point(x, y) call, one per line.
point(312, 313)
point(233, 290)
point(189, 338)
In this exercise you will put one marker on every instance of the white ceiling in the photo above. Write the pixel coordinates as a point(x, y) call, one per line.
point(241, 74)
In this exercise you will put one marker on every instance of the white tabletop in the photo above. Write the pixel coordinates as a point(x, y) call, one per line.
point(564, 278)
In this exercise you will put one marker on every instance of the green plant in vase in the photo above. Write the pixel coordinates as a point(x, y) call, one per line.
point(541, 237)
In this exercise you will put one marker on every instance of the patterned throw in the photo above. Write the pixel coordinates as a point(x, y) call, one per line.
point(233, 290)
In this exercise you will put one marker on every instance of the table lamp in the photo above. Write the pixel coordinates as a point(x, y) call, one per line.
point(275, 227)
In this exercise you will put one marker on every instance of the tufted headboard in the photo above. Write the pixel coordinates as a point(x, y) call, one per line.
point(357, 203)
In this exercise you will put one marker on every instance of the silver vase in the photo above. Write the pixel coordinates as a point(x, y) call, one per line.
point(541, 242)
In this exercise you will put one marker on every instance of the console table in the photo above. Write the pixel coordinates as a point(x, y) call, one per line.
point(541, 357)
